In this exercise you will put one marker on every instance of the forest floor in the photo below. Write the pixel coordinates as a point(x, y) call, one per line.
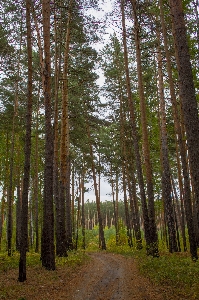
point(105, 276)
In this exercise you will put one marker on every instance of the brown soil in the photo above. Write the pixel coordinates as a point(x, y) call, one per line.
point(106, 276)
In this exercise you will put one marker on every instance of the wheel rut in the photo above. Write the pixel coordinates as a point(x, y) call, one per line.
point(111, 276)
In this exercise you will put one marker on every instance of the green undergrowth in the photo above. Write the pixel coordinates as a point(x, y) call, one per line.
point(12, 262)
point(73, 259)
point(176, 270)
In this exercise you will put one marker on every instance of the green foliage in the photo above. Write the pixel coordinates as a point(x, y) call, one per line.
point(73, 259)
point(7, 262)
point(177, 270)
point(12, 262)
point(92, 239)
point(33, 259)
point(123, 248)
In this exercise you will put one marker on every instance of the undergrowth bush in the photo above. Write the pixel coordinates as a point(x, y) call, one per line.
point(12, 262)
point(176, 269)
point(73, 259)
point(33, 260)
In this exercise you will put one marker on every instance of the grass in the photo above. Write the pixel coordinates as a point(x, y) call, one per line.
point(176, 270)
point(12, 262)
point(40, 284)
point(33, 260)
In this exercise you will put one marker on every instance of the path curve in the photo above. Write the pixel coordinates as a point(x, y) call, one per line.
point(106, 276)
point(111, 276)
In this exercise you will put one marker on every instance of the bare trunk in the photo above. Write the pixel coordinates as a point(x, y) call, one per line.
point(83, 213)
point(188, 97)
point(185, 190)
point(26, 178)
point(145, 139)
point(151, 247)
point(36, 183)
point(18, 216)
point(102, 243)
point(166, 176)
point(65, 200)
point(115, 206)
point(2, 212)
point(48, 248)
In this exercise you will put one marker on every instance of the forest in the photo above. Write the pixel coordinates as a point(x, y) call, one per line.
point(99, 89)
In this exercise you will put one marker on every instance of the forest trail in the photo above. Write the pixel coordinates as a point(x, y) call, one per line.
point(105, 276)
point(111, 276)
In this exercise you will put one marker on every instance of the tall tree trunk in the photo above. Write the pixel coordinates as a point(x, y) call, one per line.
point(18, 215)
point(152, 249)
point(48, 248)
point(2, 212)
point(36, 180)
point(134, 206)
point(31, 221)
point(186, 195)
point(126, 208)
point(166, 176)
point(102, 242)
point(83, 211)
point(115, 205)
point(65, 201)
point(5, 188)
point(187, 95)
point(127, 157)
point(73, 201)
point(26, 178)
point(78, 199)
point(125, 174)
point(10, 195)
point(145, 139)
point(58, 196)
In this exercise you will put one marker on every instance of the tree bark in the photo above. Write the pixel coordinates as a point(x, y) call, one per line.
point(26, 178)
point(187, 95)
point(145, 139)
point(18, 215)
point(166, 176)
point(186, 195)
point(152, 249)
point(47, 249)
point(102, 243)
point(65, 200)
point(83, 211)
point(36, 181)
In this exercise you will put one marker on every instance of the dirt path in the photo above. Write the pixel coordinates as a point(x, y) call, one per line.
point(106, 276)
point(110, 277)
